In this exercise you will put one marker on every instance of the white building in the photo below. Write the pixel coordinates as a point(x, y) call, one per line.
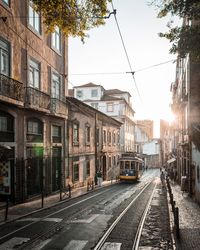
point(152, 151)
point(114, 103)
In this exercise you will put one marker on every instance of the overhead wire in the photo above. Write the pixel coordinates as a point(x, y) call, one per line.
point(125, 50)
point(121, 73)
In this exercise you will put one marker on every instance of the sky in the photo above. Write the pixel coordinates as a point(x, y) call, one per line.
point(103, 61)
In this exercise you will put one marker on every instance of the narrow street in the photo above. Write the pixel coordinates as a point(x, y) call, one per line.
point(81, 221)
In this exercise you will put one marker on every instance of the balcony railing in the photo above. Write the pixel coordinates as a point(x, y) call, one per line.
point(58, 106)
point(37, 99)
point(11, 88)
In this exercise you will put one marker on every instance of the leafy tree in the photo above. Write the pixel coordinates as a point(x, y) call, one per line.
point(184, 39)
point(73, 17)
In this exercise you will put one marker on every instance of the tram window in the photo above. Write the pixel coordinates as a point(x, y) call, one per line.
point(121, 165)
point(132, 165)
point(127, 165)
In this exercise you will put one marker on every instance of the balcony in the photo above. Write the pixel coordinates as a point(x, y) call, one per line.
point(58, 107)
point(11, 90)
point(36, 99)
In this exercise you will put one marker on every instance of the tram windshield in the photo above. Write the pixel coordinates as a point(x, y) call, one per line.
point(127, 164)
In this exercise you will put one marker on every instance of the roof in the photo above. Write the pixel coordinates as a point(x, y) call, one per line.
point(109, 98)
point(115, 92)
point(83, 107)
point(87, 85)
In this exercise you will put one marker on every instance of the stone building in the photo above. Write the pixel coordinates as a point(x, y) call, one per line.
point(93, 143)
point(33, 110)
point(186, 106)
point(114, 103)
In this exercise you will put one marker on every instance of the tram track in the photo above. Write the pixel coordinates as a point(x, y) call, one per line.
point(108, 240)
point(43, 234)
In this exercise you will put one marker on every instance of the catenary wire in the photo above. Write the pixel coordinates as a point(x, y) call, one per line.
point(125, 50)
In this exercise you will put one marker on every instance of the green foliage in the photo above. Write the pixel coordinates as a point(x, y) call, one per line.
point(73, 17)
point(184, 39)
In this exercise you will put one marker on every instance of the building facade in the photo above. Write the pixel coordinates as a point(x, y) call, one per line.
point(94, 144)
point(114, 103)
point(33, 110)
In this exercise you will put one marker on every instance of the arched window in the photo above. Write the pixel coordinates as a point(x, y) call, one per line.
point(34, 130)
point(6, 127)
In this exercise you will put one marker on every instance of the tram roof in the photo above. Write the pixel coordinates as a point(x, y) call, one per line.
point(129, 158)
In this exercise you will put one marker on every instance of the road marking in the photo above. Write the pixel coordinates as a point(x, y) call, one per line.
point(39, 219)
point(111, 246)
point(89, 220)
point(41, 245)
point(76, 245)
point(10, 244)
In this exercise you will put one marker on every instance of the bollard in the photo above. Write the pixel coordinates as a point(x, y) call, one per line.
point(177, 222)
point(6, 213)
point(69, 189)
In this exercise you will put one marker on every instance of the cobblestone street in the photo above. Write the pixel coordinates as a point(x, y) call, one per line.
point(189, 220)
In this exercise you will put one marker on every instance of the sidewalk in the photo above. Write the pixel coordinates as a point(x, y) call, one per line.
point(23, 209)
point(189, 220)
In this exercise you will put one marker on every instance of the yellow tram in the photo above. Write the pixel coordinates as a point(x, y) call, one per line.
point(131, 167)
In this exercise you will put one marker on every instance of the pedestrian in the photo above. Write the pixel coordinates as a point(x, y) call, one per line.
point(162, 177)
point(99, 178)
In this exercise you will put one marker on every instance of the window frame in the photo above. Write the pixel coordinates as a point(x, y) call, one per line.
point(110, 107)
point(5, 49)
point(35, 72)
point(56, 138)
point(56, 85)
point(32, 24)
point(87, 133)
point(94, 91)
point(56, 37)
point(75, 133)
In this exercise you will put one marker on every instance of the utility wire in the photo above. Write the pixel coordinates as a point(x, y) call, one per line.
point(125, 50)
point(121, 73)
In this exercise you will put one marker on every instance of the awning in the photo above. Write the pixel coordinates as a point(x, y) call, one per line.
point(171, 160)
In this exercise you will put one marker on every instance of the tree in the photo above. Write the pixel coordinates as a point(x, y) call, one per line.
point(184, 39)
point(73, 17)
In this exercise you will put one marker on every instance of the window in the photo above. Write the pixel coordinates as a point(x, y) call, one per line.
point(95, 105)
point(114, 139)
point(87, 127)
point(75, 133)
point(56, 134)
point(34, 130)
point(3, 124)
point(34, 18)
point(88, 167)
point(56, 86)
point(7, 2)
point(56, 39)
point(104, 136)
point(109, 107)
point(79, 94)
point(34, 127)
point(94, 93)
point(75, 169)
point(6, 127)
point(109, 137)
point(4, 58)
point(34, 74)
point(97, 136)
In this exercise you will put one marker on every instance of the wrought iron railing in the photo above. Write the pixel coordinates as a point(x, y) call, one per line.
point(37, 99)
point(58, 106)
point(11, 88)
